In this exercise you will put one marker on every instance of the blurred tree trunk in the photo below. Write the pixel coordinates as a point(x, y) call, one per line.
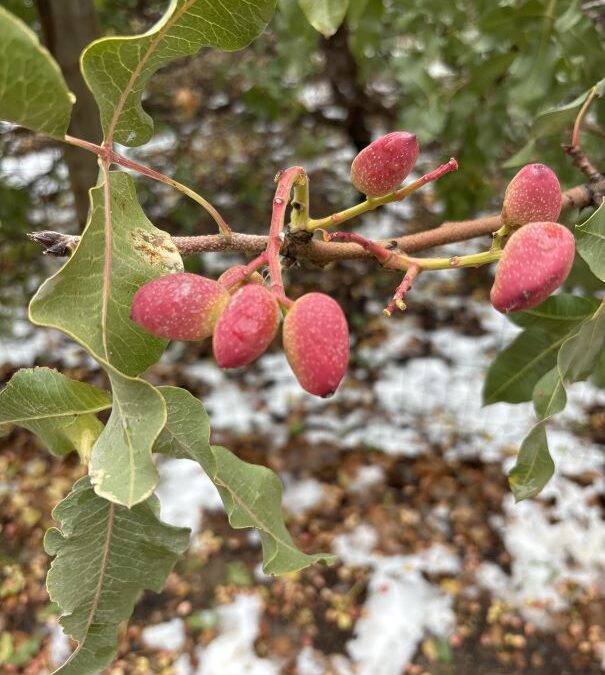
point(67, 27)
point(347, 90)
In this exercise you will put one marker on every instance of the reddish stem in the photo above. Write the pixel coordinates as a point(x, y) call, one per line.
point(435, 174)
point(285, 181)
point(404, 287)
point(381, 253)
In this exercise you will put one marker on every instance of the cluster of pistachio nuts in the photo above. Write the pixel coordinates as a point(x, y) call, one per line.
point(243, 315)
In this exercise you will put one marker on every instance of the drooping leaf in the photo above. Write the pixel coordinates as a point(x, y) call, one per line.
point(534, 467)
point(121, 466)
point(590, 242)
point(580, 353)
point(60, 411)
point(117, 69)
point(549, 395)
point(105, 555)
point(33, 92)
point(251, 494)
point(72, 300)
point(325, 15)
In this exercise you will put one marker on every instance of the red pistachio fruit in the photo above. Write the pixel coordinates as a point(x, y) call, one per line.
point(536, 261)
point(180, 306)
point(381, 167)
point(316, 342)
point(233, 272)
point(246, 327)
point(532, 196)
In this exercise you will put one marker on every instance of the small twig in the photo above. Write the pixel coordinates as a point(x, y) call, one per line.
point(579, 158)
point(404, 287)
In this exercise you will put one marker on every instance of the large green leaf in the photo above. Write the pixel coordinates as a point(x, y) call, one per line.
point(534, 467)
point(72, 300)
point(251, 494)
point(117, 69)
point(33, 92)
point(590, 242)
point(89, 299)
point(105, 555)
point(121, 466)
point(325, 15)
point(60, 411)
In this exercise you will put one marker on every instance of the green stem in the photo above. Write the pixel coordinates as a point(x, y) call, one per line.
point(374, 202)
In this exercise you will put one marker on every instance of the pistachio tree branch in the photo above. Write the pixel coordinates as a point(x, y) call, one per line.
point(321, 252)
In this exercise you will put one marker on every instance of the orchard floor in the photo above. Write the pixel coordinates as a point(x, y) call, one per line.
point(402, 474)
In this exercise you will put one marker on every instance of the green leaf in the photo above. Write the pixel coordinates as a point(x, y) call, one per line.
point(72, 300)
point(105, 555)
point(89, 299)
point(60, 411)
point(121, 466)
point(581, 351)
point(557, 119)
point(549, 395)
point(534, 467)
point(514, 373)
point(590, 241)
point(33, 92)
point(325, 15)
point(523, 156)
point(251, 494)
point(559, 312)
point(117, 69)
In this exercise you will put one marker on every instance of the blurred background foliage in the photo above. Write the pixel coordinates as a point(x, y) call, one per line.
point(470, 77)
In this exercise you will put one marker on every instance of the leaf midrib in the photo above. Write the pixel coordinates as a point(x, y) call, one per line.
point(139, 67)
point(529, 364)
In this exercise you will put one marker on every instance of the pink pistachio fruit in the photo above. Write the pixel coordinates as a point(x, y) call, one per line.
point(246, 327)
point(532, 196)
point(180, 306)
point(316, 342)
point(381, 167)
point(536, 261)
point(232, 272)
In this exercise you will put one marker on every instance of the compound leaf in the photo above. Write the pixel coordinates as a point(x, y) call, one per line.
point(105, 555)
